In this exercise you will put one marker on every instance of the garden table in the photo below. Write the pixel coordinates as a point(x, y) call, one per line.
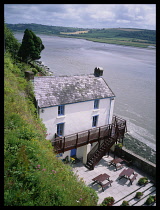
point(114, 162)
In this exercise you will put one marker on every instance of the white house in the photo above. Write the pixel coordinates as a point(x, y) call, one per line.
point(72, 104)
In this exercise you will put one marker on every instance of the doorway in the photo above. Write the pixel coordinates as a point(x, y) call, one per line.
point(73, 152)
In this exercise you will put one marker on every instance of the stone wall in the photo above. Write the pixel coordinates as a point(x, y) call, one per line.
point(141, 163)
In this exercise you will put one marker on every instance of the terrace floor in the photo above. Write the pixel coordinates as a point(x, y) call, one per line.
point(120, 189)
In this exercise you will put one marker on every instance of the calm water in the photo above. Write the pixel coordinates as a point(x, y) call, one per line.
point(130, 72)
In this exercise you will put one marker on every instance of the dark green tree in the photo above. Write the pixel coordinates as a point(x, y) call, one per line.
point(31, 47)
point(11, 44)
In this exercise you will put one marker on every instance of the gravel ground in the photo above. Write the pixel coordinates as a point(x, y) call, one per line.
point(139, 148)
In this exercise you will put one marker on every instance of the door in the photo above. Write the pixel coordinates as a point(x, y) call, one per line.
point(73, 152)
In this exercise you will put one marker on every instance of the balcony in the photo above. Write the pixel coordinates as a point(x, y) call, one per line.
point(115, 130)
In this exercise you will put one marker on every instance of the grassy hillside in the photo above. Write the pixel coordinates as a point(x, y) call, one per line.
point(123, 36)
point(33, 175)
point(128, 37)
point(42, 29)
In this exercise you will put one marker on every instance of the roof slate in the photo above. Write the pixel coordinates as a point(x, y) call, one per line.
point(52, 90)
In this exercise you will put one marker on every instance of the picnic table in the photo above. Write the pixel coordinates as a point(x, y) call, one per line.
point(100, 180)
point(115, 163)
point(126, 173)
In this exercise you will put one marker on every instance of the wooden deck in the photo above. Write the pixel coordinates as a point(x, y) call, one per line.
point(115, 130)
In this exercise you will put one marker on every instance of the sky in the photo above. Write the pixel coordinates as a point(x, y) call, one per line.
point(84, 15)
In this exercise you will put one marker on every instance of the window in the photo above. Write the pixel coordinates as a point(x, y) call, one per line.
point(95, 120)
point(60, 129)
point(61, 110)
point(96, 104)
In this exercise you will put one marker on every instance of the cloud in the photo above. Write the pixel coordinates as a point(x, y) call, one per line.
point(83, 15)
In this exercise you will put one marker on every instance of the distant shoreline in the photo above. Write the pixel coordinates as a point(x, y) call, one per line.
point(109, 41)
point(114, 42)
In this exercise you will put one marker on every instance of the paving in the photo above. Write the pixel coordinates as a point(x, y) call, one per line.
point(120, 189)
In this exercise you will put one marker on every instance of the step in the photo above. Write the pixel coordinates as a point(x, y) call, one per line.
point(131, 197)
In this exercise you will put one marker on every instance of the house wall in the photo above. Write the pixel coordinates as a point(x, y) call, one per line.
point(78, 116)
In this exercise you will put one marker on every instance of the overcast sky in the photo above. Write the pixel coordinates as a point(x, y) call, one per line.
point(84, 15)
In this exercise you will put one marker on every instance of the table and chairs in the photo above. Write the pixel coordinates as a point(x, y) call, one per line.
point(101, 180)
point(126, 173)
point(117, 163)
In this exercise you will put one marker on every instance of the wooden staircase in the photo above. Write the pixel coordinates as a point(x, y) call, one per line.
point(103, 146)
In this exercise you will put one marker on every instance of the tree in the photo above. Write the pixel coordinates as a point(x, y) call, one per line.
point(31, 47)
point(11, 44)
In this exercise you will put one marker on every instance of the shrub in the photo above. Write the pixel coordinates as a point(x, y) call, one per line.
point(125, 203)
point(108, 201)
point(34, 70)
point(119, 145)
point(151, 199)
point(143, 181)
point(13, 121)
point(138, 194)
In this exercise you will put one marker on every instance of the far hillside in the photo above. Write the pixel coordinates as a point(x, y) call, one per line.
point(124, 36)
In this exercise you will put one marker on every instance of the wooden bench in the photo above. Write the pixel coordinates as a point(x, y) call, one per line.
point(105, 185)
point(133, 178)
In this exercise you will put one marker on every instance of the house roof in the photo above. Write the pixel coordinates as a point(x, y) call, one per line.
point(52, 90)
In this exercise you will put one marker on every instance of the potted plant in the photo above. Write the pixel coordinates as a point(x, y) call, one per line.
point(119, 145)
point(125, 203)
point(139, 195)
point(143, 181)
point(108, 201)
point(151, 199)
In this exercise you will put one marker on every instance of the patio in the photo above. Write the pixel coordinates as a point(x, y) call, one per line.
point(120, 189)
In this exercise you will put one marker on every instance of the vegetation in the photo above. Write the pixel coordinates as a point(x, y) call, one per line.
point(138, 195)
point(123, 36)
point(108, 201)
point(31, 47)
point(42, 29)
point(11, 44)
point(33, 175)
point(125, 203)
point(119, 145)
point(151, 199)
point(143, 181)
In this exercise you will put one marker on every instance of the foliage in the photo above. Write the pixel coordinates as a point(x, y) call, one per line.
point(33, 175)
point(119, 145)
point(138, 194)
point(108, 201)
point(143, 181)
point(125, 203)
point(31, 47)
point(42, 29)
point(11, 44)
point(151, 199)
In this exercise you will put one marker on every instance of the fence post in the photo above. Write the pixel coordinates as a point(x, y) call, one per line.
point(77, 140)
point(63, 144)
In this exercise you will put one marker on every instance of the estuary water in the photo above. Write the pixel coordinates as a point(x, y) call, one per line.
point(130, 72)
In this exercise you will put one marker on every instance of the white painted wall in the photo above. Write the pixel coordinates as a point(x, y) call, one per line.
point(78, 116)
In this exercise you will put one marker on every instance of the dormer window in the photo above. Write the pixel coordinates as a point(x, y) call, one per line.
point(60, 110)
point(96, 104)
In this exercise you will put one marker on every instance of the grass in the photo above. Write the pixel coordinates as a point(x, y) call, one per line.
point(33, 175)
point(76, 32)
point(118, 41)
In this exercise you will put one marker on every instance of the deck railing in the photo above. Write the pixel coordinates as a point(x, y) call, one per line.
point(72, 141)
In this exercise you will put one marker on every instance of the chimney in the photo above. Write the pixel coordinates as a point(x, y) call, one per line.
point(98, 71)
point(29, 75)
